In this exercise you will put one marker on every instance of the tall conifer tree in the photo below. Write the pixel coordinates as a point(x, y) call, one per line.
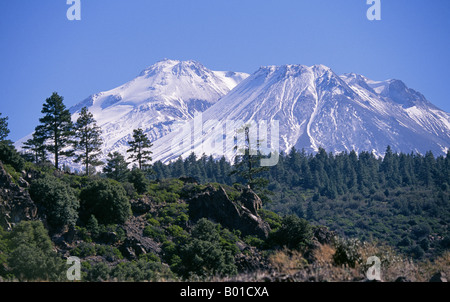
point(87, 140)
point(4, 131)
point(139, 148)
point(56, 127)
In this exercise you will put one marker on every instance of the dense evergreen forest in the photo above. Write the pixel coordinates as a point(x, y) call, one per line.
point(401, 199)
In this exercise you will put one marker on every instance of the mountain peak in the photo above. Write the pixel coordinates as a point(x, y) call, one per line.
point(316, 108)
point(172, 66)
point(165, 94)
point(295, 70)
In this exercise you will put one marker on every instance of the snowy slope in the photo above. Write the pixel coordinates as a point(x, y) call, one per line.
point(162, 96)
point(317, 108)
point(184, 107)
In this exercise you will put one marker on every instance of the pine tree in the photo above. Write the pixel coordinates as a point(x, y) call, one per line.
point(4, 131)
point(224, 171)
point(390, 167)
point(56, 127)
point(116, 167)
point(192, 167)
point(37, 147)
point(87, 143)
point(310, 211)
point(161, 170)
point(247, 164)
point(427, 170)
point(178, 168)
point(211, 168)
point(139, 148)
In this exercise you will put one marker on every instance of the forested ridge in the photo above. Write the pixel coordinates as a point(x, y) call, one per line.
point(401, 199)
point(311, 217)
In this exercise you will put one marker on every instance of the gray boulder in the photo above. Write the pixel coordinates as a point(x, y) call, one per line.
point(215, 205)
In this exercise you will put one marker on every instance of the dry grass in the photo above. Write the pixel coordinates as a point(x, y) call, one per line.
point(324, 255)
point(287, 261)
point(291, 266)
point(395, 265)
point(428, 268)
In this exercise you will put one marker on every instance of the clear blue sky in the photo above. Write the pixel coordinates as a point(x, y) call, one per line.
point(41, 51)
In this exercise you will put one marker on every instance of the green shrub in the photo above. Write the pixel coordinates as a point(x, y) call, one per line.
point(170, 255)
point(57, 199)
point(129, 188)
point(13, 173)
point(174, 213)
point(347, 252)
point(83, 233)
point(206, 259)
point(110, 234)
point(139, 180)
point(155, 233)
point(294, 233)
point(205, 254)
point(177, 232)
point(273, 219)
point(140, 270)
point(4, 252)
point(167, 190)
point(31, 255)
point(107, 200)
point(92, 226)
point(98, 272)
point(152, 221)
point(254, 241)
point(10, 156)
point(84, 249)
point(109, 252)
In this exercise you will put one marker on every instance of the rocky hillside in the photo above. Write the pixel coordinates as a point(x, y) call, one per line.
point(177, 229)
point(15, 202)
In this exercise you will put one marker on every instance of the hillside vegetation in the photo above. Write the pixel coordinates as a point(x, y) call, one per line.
point(147, 229)
point(312, 217)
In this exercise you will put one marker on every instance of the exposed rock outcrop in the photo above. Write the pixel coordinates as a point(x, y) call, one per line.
point(15, 202)
point(250, 259)
point(439, 277)
point(136, 243)
point(241, 214)
point(251, 201)
point(141, 205)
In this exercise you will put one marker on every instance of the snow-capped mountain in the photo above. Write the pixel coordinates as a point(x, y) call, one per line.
point(184, 107)
point(316, 108)
point(162, 96)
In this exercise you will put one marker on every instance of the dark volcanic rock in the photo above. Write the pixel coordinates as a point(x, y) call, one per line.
point(323, 235)
point(402, 279)
point(439, 277)
point(251, 201)
point(215, 205)
point(15, 202)
point(141, 206)
point(136, 243)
